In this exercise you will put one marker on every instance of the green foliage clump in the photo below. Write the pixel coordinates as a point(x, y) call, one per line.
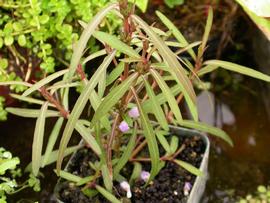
point(9, 171)
point(36, 36)
point(262, 196)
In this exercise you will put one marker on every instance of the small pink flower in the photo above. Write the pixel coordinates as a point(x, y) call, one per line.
point(187, 188)
point(134, 112)
point(123, 127)
point(125, 186)
point(145, 175)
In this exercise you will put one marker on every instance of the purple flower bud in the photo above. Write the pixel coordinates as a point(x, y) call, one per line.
point(123, 127)
point(145, 175)
point(187, 188)
point(134, 112)
point(125, 186)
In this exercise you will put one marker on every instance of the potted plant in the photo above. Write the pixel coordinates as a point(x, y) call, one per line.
point(125, 156)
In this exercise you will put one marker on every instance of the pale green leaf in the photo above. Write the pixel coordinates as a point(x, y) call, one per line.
point(89, 139)
point(15, 83)
point(52, 140)
point(94, 55)
point(109, 196)
point(156, 108)
point(44, 81)
point(161, 99)
point(85, 36)
point(38, 139)
point(151, 140)
point(115, 43)
point(126, 154)
point(206, 31)
point(107, 180)
point(116, 72)
point(239, 69)
point(168, 95)
point(113, 97)
point(53, 156)
point(189, 167)
point(31, 113)
point(29, 99)
point(174, 144)
point(177, 34)
point(163, 141)
point(69, 176)
point(207, 128)
point(136, 172)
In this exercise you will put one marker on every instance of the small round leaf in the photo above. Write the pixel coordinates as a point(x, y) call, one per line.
point(3, 63)
point(8, 40)
point(22, 40)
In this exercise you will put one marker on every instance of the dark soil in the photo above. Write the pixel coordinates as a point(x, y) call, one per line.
point(167, 186)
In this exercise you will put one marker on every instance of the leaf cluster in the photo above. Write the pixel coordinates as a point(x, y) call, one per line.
point(9, 172)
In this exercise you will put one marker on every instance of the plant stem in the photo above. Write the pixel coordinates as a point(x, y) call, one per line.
point(110, 142)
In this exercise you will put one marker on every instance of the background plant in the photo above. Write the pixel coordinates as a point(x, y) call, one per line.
point(146, 77)
point(262, 195)
point(36, 36)
point(9, 173)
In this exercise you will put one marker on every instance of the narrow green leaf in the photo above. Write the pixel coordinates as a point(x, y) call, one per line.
point(94, 55)
point(102, 84)
point(207, 128)
point(107, 180)
point(85, 36)
point(116, 72)
point(16, 83)
point(109, 196)
point(135, 173)
point(69, 176)
point(163, 141)
point(126, 154)
point(79, 106)
point(115, 43)
point(161, 99)
point(151, 140)
point(29, 99)
point(86, 135)
point(38, 139)
point(31, 113)
point(174, 144)
point(177, 34)
point(113, 97)
point(207, 30)
point(60, 86)
point(53, 156)
point(239, 69)
point(206, 69)
point(189, 167)
point(85, 180)
point(176, 68)
point(167, 93)
point(52, 140)
point(95, 102)
point(157, 110)
point(44, 81)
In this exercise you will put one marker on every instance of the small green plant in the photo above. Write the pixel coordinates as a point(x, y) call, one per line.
point(262, 196)
point(145, 79)
point(9, 172)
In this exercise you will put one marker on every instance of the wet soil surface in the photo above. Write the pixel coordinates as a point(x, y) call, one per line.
point(167, 186)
